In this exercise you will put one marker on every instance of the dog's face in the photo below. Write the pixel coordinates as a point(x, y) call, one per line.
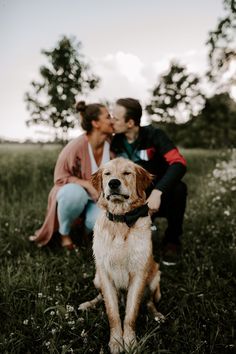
point(120, 181)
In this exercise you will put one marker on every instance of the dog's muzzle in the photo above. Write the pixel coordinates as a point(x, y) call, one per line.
point(114, 186)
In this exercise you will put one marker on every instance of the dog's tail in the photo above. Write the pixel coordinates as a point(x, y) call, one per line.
point(91, 304)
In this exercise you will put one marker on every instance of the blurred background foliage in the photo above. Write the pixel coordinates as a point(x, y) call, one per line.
point(178, 102)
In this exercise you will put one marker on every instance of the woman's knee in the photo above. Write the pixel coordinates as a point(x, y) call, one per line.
point(72, 196)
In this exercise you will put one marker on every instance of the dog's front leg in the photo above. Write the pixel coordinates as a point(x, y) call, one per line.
point(110, 297)
point(134, 297)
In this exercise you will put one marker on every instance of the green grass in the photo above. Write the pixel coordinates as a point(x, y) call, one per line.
point(40, 289)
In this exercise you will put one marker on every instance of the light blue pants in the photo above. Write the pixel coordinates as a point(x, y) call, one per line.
point(72, 200)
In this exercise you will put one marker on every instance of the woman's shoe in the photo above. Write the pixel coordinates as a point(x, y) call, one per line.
point(70, 246)
point(67, 244)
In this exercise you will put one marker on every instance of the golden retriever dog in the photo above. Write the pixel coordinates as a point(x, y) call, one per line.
point(122, 248)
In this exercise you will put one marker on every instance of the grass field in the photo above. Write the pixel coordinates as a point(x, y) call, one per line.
point(40, 289)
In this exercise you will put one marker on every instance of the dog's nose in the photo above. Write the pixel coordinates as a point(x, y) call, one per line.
point(114, 183)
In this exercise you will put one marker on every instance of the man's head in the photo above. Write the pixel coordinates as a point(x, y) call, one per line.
point(126, 115)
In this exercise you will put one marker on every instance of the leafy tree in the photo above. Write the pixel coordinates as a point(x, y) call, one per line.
point(214, 127)
point(222, 44)
point(176, 97)
point(51, 101)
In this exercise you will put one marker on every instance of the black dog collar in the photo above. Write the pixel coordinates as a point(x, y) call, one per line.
point(131, 217)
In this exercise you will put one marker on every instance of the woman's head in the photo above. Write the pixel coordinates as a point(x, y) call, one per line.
point(94, 116)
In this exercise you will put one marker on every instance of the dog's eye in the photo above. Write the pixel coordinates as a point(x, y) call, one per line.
point(107, 173)
point(126, 173)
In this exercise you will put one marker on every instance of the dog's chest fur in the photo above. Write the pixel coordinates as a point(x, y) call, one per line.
point(121, 251)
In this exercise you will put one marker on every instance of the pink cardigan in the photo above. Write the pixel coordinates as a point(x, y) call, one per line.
point(73, 162)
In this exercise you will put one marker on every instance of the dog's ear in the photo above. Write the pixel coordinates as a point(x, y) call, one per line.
point(96, 180)
point(143, 180)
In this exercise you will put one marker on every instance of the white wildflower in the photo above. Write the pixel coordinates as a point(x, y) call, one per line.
point(81, 319)
point(222, 190)
point(58, 288)
point(83, 333)
point(69, 308)
point(216, 198)
point(200, 295)
point(153, 228)
point(225, 171)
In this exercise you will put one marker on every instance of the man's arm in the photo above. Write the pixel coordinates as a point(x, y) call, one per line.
point(175, 171)
point(176, 163)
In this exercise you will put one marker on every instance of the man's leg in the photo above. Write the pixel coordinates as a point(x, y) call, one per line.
point(173, 207)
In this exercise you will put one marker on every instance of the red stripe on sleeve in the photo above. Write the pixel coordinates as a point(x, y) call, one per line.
point(151, 152)
point(174, 156)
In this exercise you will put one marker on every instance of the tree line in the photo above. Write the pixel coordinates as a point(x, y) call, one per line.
point(177, 103)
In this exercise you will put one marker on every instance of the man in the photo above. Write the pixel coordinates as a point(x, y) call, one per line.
point(152, 149)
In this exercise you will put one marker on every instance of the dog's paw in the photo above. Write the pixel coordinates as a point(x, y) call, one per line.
point(116, 345)
point(130, 340)
point(159, 317)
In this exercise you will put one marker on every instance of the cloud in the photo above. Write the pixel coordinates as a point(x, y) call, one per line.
point(129, 65)
point(125, 74)
point(122, 75)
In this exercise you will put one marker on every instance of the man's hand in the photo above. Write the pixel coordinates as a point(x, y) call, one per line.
point(154, 201)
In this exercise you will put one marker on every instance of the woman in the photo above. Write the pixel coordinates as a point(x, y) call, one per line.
point(73, 193)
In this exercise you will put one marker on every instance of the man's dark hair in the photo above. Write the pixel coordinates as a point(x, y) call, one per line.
point(133, 109)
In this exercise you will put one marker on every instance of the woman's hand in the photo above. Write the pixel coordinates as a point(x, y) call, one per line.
point(92, 191)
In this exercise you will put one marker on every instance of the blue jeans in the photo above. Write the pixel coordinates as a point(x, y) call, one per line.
point(72, 200)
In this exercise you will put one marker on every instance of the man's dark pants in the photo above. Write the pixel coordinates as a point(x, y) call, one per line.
point(173, 204)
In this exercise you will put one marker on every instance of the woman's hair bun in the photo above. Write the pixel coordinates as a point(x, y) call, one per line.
point(80, 106)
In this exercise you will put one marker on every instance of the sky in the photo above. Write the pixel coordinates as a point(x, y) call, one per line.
point(128, 43)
